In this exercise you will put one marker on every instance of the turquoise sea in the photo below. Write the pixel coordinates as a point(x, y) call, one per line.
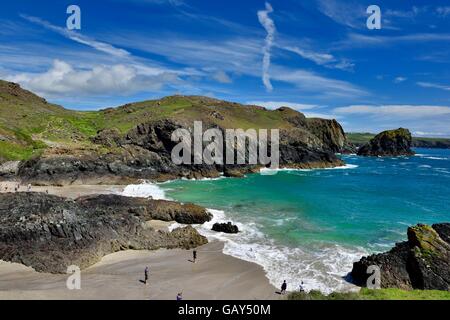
point(311, 225)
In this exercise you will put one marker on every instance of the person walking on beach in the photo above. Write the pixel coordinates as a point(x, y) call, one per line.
point(283, 287)
point(180, 296)
point(194, 256)
point(301, 288)
point(146, 275)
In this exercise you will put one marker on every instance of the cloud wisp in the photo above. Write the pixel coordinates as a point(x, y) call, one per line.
point(433, 85)
point(77, 37)
point(269, 25)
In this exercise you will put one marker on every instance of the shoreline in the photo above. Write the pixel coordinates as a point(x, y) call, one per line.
point(118, 276)
point(220, 276)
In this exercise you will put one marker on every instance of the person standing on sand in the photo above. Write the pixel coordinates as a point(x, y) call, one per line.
point(283, 287)
point(194, 256)
point(180, 296)
point(146, 275)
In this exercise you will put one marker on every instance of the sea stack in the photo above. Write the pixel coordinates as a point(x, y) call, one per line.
point(390, 143)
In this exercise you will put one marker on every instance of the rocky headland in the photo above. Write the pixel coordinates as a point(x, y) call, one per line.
point(46, 144)
point(421, 262)
point(50, 233)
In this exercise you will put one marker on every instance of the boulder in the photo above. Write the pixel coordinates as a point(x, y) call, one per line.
point(9, 168)
point(225, 227)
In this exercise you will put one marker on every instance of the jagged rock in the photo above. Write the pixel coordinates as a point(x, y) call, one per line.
point(389, 143)
point(50, 233)
point(9, 168)
point(108, 137)
point(422, 262)
point(225, 227)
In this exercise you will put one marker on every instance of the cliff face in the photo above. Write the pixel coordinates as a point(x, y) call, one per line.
point(50, 233)
point(422, 262)
point(389, 143)
point(132, 142)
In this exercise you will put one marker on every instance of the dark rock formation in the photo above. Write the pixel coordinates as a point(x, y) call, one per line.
point(389, 143)
point(225, 227)
point(145, 153)
point(422, 262)
point(50, 233)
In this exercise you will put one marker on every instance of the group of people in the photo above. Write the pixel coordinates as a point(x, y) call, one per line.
point(147, 274)
point(284, 287)
point(194, 260)
point(16, 187)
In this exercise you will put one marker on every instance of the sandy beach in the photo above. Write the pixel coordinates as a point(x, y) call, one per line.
point(120, 275)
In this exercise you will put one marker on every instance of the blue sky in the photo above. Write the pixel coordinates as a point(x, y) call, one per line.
point(317, 56)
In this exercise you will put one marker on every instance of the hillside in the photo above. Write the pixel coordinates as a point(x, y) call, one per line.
point(134, 139)
point(359, 139)
point(28, 123)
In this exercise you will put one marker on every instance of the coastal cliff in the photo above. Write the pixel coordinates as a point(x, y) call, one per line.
point(421, 262)
point(50, 233)
point(121, 145)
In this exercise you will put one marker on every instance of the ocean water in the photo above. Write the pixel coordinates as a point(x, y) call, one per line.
point(311, 225)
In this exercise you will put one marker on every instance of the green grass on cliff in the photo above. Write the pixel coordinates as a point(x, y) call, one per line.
point(28, 123)
point(368, 294)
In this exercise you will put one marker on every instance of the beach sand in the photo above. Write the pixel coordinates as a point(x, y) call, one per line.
point(120, 276)
point(70, 191)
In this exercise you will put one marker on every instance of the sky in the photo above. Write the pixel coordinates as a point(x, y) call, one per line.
point(316, 56)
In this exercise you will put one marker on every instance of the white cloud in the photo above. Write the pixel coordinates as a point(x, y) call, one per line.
point(222, 77)
point(360, 40)
point(272, 105)
point(399, 111)
point(319, 58)
point(269, 25)
point(430, 120)
point(312, 82)
point(433, 85)
point(349, 13)
point(443, 11)
point(77, 37)
point(62, 79)
point(400, 79)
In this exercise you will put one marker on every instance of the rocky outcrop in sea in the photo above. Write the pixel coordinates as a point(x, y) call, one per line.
point(50, 233)
point(389, 143)
point(421, 262)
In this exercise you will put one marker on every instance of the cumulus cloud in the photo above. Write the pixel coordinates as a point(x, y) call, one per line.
point(62, 79)
point(269, 25)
